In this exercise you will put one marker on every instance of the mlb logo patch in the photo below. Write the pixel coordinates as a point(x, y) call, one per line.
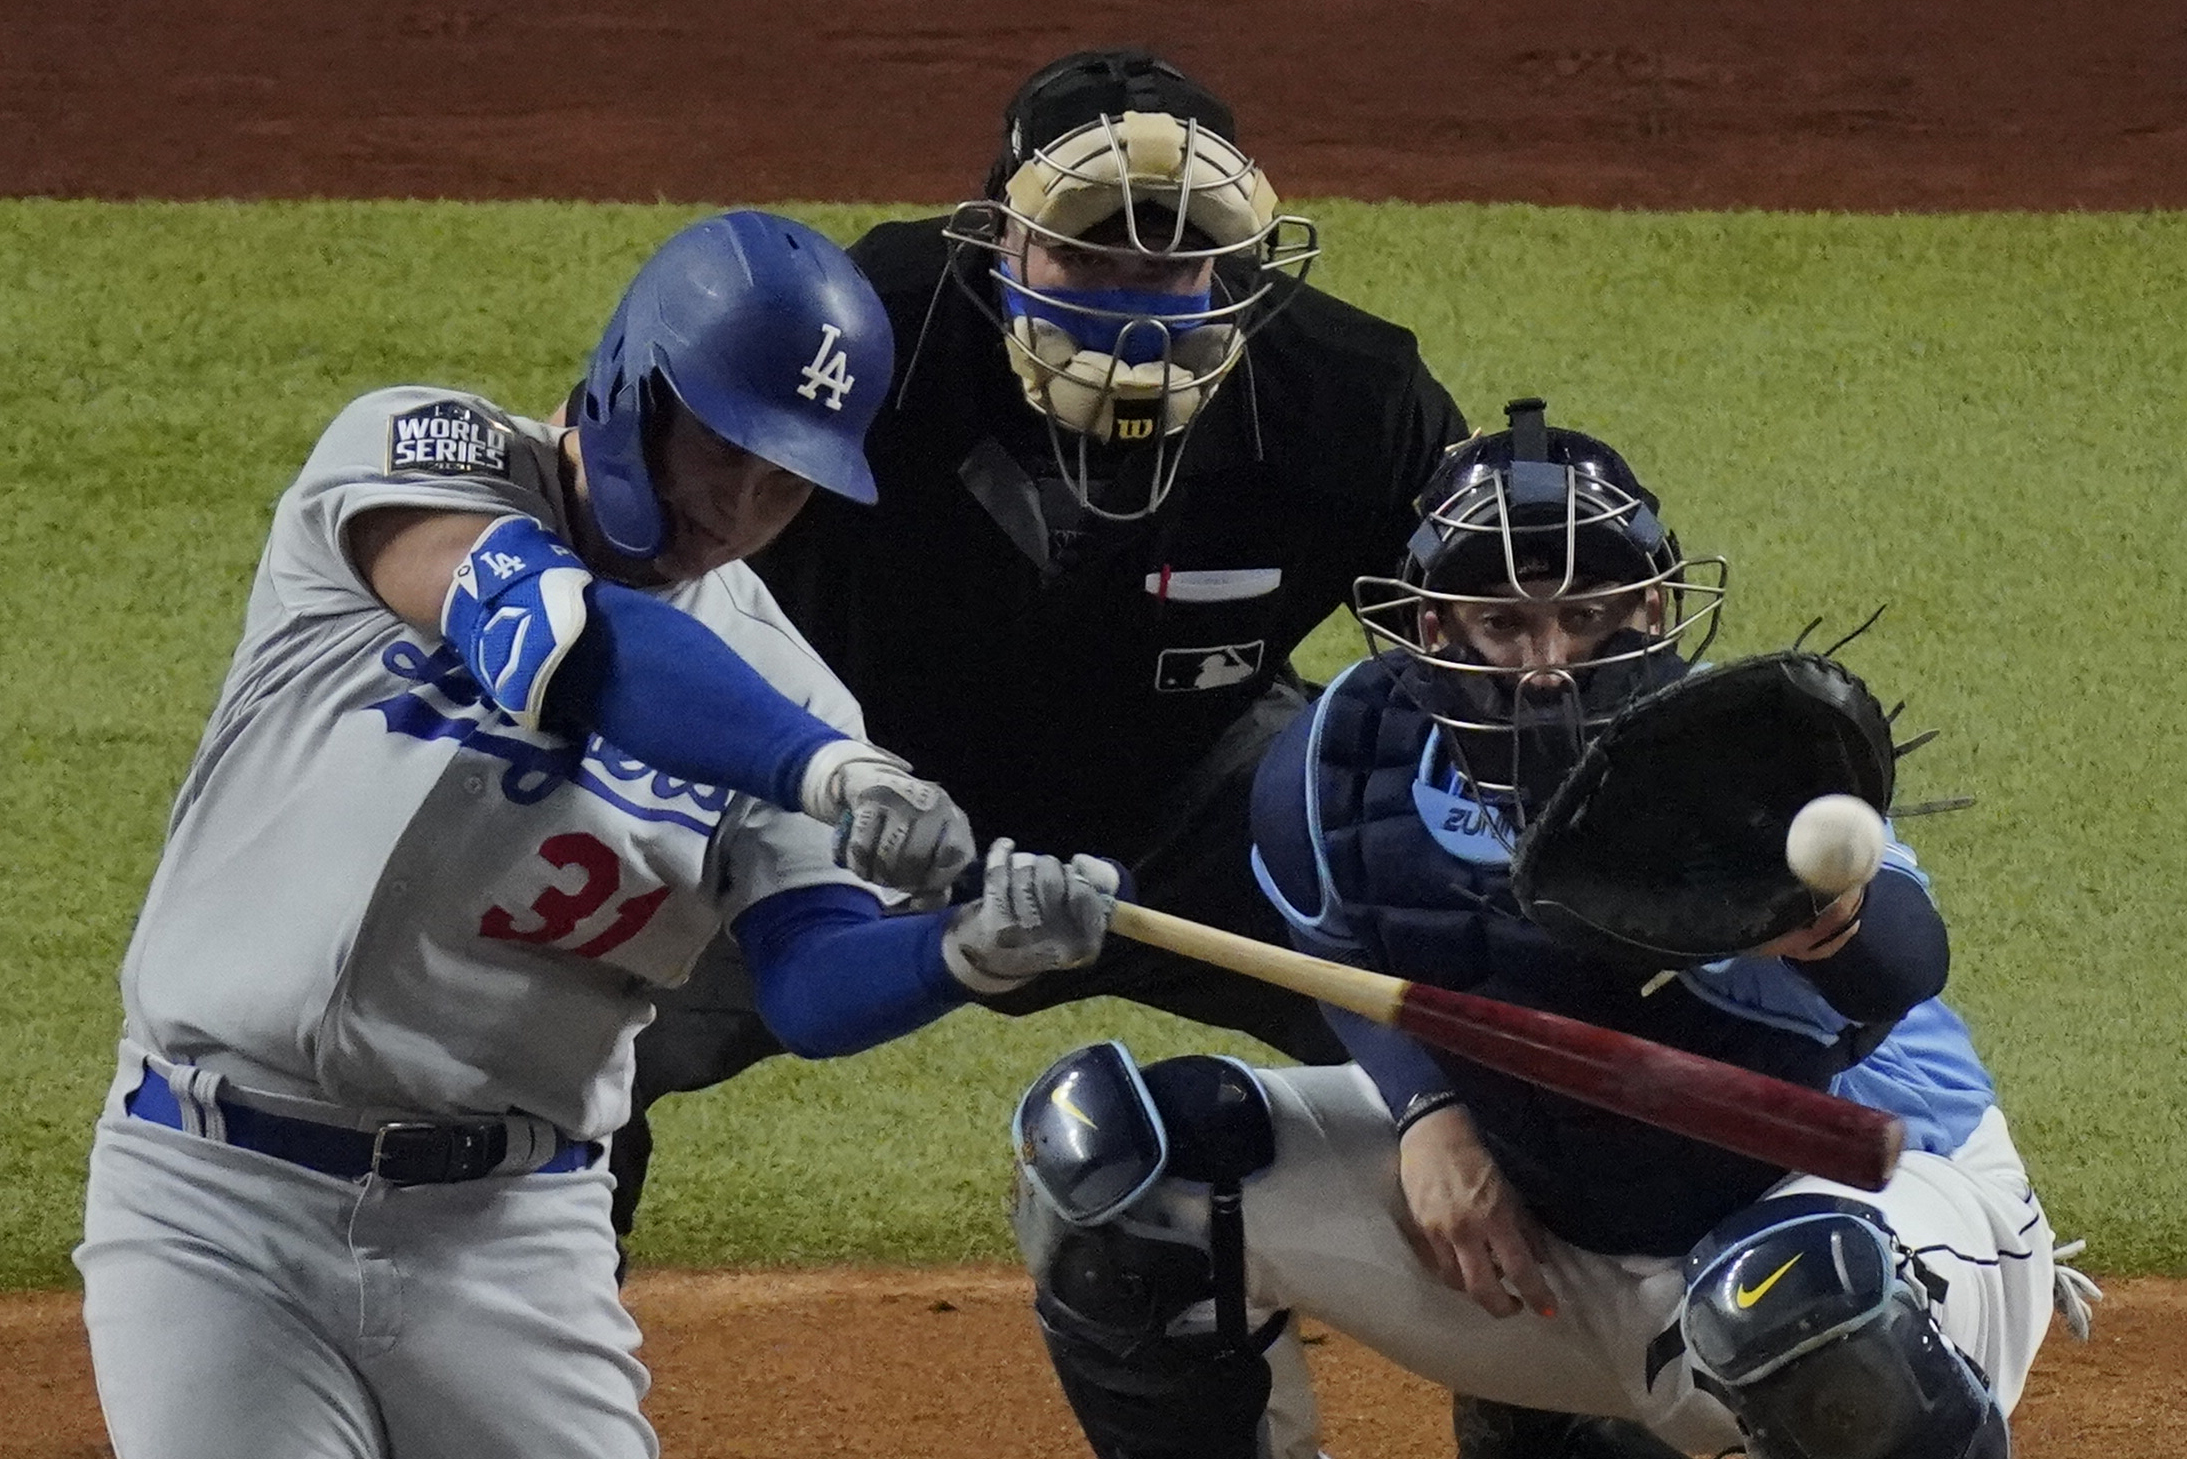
point(1182, 670)
point(448, 438)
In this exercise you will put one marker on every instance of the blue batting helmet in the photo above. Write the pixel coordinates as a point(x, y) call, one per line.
point(767, 333)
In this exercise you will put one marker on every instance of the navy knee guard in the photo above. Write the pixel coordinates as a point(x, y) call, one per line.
point(1810, 1321)
point(1109, 1215)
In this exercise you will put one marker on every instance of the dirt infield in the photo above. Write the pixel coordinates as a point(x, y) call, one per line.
point(1856, 104)
point(898, 1365)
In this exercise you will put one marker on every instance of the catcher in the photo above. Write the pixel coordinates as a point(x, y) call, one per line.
point(1485, 1233)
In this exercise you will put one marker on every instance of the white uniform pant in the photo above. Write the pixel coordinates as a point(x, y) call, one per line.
point(1322, 1238)
point(242, 1305)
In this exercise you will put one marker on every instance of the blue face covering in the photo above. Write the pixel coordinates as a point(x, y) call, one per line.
point(1095, 332)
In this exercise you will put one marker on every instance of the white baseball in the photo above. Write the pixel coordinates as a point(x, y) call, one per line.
point(1835, 844)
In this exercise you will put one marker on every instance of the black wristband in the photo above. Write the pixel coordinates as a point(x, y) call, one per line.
point(1420, 1106)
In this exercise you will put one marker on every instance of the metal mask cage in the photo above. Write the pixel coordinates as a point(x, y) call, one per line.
point(1394, 612)
point(1267, 238)
point(1513, 733)
point(1283, 246)
point(1486, 508)
point(1495, 716)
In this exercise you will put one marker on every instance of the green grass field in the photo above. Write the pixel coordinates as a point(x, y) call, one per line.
point(1977, 420)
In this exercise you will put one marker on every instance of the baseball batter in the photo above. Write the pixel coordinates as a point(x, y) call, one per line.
point(1481, 1231)
point(510, 734)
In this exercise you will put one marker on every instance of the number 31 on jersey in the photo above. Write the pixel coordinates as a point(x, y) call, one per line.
point(557, 916)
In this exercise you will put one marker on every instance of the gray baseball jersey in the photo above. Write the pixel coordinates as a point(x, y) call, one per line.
point(379, 891)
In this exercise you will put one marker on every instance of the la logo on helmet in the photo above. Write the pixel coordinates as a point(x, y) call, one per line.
point(829, 372)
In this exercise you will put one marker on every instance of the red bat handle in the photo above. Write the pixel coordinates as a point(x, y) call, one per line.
point(1753, 1114)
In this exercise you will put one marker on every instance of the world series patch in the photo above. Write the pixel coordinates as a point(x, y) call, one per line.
point(448, 438)
point(1182, 670)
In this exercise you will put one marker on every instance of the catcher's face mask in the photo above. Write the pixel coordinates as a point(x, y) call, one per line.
point(1128, 261)
point(1537, 600)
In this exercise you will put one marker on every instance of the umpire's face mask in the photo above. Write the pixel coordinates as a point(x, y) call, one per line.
point(1111, 297)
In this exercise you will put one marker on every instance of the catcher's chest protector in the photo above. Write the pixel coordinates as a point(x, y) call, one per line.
point(1426, 911)
point(1604, 1182)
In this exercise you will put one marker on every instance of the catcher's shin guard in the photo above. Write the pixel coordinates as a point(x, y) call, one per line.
point(1811, 1323)
point(1128, 1215)
point(1188, 1397)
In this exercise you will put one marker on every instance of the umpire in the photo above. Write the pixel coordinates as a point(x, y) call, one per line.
point(1128, 461)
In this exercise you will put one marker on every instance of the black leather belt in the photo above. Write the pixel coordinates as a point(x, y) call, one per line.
point(402, 1152)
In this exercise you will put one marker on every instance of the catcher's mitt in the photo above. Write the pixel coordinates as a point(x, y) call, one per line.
point(1665, 847)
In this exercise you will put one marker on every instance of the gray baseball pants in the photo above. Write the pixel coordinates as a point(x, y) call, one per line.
point(238, 1304)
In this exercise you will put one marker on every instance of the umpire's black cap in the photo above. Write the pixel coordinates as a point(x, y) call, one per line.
point(1085, 85)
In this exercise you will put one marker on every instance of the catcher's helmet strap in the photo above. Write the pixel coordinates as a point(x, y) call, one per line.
point(1544, 484)
point(1535, 482)
point(1426, 541)
point(1529, 432)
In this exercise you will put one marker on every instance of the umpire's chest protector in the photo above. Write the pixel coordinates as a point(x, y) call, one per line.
point(1426, 911)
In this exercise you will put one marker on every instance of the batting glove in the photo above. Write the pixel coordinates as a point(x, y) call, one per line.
point(890, 826)
point(1035, 914)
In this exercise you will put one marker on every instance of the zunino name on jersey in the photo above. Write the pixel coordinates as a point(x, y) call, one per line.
point(447, 703)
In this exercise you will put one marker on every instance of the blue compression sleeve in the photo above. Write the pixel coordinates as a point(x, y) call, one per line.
point(657, 684)
point(832, 975)
point(1399, 1065)
point(1900, 957)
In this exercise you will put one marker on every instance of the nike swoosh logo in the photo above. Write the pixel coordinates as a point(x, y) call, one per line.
point(1062, 1101)
point(1747, 1296)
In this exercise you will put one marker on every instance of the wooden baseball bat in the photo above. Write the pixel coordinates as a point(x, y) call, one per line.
point(1705, 1099)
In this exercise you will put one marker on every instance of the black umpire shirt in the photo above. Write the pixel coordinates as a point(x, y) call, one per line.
point(1059, 672)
